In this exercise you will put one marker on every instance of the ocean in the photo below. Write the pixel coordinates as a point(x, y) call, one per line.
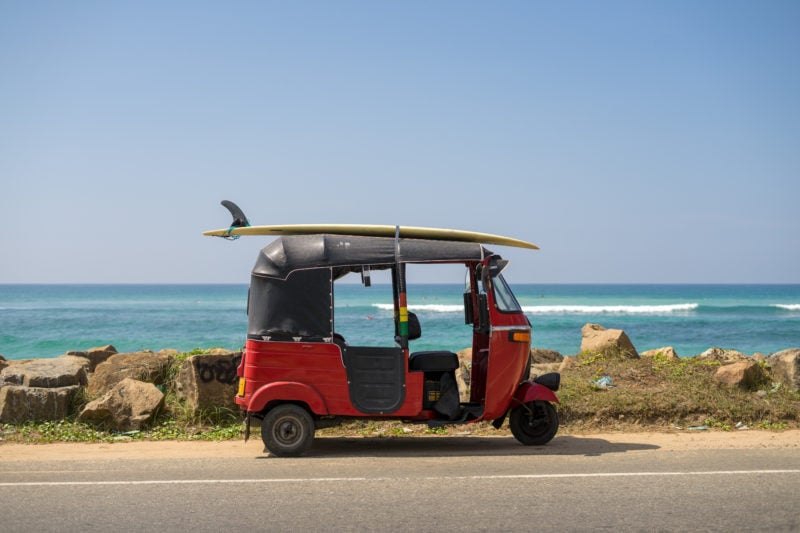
point(47, 320)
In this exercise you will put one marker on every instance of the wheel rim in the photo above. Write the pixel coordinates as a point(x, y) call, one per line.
point(288, 431)
point(536, 423)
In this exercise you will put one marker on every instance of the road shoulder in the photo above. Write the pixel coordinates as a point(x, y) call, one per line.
point(566, 444)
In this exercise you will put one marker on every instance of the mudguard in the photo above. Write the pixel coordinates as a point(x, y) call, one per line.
point(288, 391)
point(530, 392)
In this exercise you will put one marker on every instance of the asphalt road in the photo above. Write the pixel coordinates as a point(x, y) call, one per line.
point(443, 484)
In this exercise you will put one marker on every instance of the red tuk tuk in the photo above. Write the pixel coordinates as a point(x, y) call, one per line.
point(297, 374)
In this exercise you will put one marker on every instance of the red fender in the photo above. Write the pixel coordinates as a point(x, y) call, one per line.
point(530, 392)
point(287, 391)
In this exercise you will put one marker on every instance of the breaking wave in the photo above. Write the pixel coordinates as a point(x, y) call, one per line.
point(433, 308)
point(565, 309)
point(610, 309)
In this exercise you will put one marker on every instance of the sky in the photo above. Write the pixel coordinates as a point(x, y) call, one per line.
point(633, 141)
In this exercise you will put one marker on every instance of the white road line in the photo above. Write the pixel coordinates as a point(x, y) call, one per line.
point(383, 479)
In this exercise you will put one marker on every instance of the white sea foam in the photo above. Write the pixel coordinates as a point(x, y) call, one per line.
point(565, 309)
point(434, 308)
point(788, 307)
point(610, 309)
point(438, 308)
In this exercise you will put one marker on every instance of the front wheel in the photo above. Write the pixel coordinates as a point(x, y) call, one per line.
point(534, 423)
point(287, 430)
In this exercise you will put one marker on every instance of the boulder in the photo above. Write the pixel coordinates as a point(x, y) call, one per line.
point(568, 362)
point(745, 374)
point(95, 356)
point(3, 362)
point(723, 355)
point(667, 352)
point(210, 351)
point(144, 366)
point(540, 355)
point(610, 342)
point(57, 372)
point(19, 403)
point(540, 369)
point(209, 381)
point(127, 406)
point(785, 366)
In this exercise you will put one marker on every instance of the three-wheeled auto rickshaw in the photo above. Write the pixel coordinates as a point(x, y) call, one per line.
point(298, 374)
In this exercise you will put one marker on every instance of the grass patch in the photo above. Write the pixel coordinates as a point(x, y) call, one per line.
point(651, 393)
point(174, 422)
point(662, 392)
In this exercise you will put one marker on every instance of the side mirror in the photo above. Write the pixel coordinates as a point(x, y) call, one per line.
point(483, 313)
point(414, 328)
point(365, 277)
point(469, 317)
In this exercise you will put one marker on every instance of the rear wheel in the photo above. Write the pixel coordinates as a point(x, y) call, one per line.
point(534, 423)
point(287, 430)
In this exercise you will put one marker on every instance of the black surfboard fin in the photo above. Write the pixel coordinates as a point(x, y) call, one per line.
point(239, 220)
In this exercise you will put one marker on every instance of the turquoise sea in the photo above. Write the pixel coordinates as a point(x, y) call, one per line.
point(48, 320)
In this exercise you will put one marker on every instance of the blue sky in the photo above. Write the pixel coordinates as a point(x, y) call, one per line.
point(635, 142)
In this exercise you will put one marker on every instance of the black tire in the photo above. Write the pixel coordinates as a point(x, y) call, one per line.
point(534, 423)
point(287, 430)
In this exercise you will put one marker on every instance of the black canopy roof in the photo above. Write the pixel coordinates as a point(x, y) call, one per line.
point(298, 252)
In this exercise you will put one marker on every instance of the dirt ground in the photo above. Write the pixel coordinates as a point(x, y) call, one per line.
point(581, 443)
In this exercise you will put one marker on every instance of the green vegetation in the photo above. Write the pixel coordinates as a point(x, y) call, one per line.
point(652, 393)
point(174, 422)
point(657, 392)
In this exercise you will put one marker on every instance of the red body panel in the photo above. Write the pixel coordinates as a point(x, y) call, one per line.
point(530, 392)
point(287, 391)
point(506, 363)
point(506, 366)
point(312, 373)
point(497, 368)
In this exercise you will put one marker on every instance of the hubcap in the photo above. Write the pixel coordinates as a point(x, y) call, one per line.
point(537, 420)
point(287, 431)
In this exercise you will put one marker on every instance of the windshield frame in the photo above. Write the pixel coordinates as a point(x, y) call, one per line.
point(504, 299)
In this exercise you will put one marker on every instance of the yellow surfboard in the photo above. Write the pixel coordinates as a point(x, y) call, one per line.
point(368, 230)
